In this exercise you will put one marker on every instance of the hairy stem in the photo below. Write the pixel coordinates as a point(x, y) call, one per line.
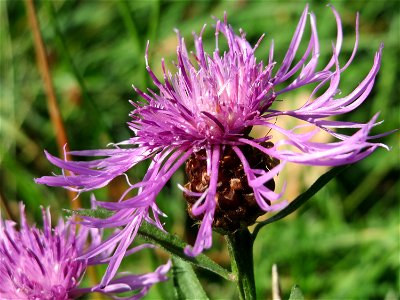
point(240, 246)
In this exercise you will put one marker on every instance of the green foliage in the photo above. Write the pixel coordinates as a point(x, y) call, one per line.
point(303, 198)
point(99, 213)
point(341, 244)
point(175, 246)
point(186, 283)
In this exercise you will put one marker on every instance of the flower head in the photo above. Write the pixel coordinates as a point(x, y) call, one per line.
point(39, 264)
point(46, 264)
point(203, 115)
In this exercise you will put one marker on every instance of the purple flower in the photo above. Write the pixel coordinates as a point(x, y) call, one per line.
point(46, 264)
point(202, 115)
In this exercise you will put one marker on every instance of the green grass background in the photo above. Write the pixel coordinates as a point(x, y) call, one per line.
point(343, 244)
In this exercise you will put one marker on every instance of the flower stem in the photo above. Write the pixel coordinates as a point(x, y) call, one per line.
point(240, 246)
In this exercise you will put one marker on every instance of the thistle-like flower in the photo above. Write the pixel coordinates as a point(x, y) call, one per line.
point(203, 115)
point(44, 264)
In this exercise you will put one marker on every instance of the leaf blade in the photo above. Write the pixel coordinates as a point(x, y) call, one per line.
point(303, 198)
point(186, 283)
point(175, 246)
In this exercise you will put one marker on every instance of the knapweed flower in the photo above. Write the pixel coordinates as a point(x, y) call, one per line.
point(202, 116)
point(44, 264)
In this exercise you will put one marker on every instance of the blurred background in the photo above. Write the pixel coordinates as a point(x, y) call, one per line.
point(343, 244)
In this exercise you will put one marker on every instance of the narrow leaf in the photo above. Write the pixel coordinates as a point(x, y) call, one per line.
point(99, 213)
point(186, 283)
point(175, 246)
point(303, 198)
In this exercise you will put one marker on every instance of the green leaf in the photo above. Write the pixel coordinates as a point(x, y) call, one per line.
point(303, 198)
point(100, 213)
point(175, 246)
point(186, 283)
point(296, 294)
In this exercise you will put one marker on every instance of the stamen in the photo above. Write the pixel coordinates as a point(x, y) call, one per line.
point(38, 262)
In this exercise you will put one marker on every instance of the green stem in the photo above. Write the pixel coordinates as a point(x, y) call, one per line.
point(240, 246)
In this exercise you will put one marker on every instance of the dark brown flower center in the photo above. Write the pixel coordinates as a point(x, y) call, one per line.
point(236, 204)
